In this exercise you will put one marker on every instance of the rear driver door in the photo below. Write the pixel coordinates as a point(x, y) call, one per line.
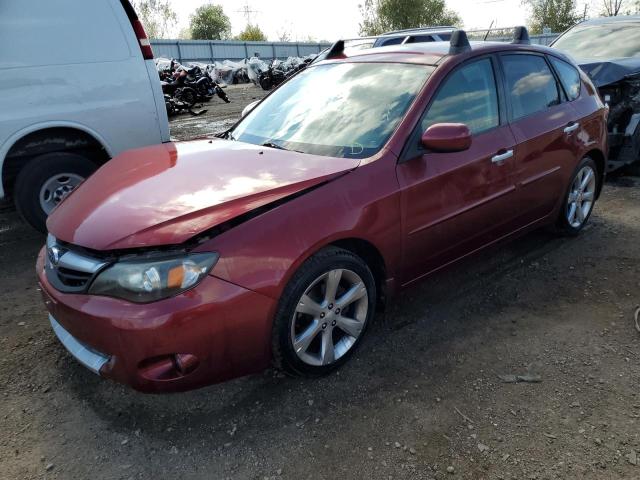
point(544, 125)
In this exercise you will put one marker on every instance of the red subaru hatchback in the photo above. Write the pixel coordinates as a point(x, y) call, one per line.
point(185, 264)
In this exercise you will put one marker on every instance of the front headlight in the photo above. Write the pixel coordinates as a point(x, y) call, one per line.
point(148, 280)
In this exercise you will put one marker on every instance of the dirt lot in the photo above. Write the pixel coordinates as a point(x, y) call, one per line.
point(219, 115)
point(423, 394)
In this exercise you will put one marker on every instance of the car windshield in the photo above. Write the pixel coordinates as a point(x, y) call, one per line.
point(338, 110)
point(602, 41)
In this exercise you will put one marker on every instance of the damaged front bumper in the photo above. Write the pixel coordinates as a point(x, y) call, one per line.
point(623, 98)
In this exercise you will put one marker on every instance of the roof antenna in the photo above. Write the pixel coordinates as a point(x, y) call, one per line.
point(337, 49)
point(459, 42)
point(521, 36)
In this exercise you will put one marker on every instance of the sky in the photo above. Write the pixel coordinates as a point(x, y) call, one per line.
point(334, 19)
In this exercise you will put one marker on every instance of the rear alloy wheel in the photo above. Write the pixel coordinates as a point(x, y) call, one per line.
point(324, 313)
point(45, 181)
point(580, 198)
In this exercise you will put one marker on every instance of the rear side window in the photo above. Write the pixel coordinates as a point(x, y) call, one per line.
point(467, 96)
point(420, 39)
point(531, 86)
point(569, 77)
point(392, 41)
point(445, 37)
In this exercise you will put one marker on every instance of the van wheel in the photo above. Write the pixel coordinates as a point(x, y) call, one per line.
point(45, 181)
point(579, 199)
point(323, 313)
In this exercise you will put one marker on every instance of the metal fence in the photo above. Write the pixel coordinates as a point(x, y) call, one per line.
point(209, 51)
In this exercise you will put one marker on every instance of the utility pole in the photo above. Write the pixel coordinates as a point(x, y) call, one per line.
point(247, 12)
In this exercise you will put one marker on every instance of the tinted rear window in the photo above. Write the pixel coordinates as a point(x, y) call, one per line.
point(531, 86)
point(391, 41)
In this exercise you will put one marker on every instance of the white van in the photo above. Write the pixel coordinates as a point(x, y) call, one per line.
point(78, 85)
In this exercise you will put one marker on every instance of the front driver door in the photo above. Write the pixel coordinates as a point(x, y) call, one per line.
point(455, 203)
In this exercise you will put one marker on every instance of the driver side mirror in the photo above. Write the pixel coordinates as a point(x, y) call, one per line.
point(447, 137)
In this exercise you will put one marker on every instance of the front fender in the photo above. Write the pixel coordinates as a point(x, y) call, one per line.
point(263, 253)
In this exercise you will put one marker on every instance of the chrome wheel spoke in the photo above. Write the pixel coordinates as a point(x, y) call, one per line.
point(327, 351)
point(572, 212)
point(309, 306)
point(332, 284)
point(301, 344)
point(580, 212)
point(349, 326)
point(356, 292)
point(588, 196)
point(587, 176)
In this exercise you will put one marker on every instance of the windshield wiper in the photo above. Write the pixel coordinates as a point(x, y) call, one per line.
point(271, 144)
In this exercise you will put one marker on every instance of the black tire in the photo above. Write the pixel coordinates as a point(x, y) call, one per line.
point(266, 83)
point(330, 258)
point(33, 176)
point(188, 95)
point(563, 227)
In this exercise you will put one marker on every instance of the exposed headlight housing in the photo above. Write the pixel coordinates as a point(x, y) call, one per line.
point(148, 280)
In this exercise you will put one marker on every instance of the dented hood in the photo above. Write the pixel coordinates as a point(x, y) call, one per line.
point(606, 72)
point(166, 194)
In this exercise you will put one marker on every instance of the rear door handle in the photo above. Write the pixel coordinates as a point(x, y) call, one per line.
point(572, 127)
point(502, 156)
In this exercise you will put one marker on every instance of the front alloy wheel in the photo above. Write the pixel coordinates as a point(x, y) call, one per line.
point(323, 313)
point(330, 317)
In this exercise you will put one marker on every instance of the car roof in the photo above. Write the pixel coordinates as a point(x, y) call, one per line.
point(430, 53)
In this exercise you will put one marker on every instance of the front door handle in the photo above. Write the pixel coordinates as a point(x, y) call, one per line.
point(572, 127)
point(501, 157)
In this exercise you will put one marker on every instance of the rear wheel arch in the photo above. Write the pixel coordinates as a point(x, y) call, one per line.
point(601, 163)
point(50, 140)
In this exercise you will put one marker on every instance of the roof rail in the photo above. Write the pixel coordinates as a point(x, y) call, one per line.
point(459, 43)
point(419, 29)
point(521, 36)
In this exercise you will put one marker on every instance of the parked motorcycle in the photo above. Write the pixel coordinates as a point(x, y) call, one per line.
point(202, 83)
point(272, 77)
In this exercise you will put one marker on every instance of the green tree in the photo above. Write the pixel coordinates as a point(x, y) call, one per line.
point(157, 16)
point(558, 15)
point(252, 34)
point(209, 22)
point(380, 16)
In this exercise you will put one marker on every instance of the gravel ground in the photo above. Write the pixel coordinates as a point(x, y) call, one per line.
point(218, 116)
point(422, 399)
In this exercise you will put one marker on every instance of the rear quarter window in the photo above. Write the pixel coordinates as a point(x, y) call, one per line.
point(60, 32)
point(569, 77)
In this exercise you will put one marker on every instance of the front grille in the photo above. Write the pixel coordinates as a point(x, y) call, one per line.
point(73, 278)
point(68, 270)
